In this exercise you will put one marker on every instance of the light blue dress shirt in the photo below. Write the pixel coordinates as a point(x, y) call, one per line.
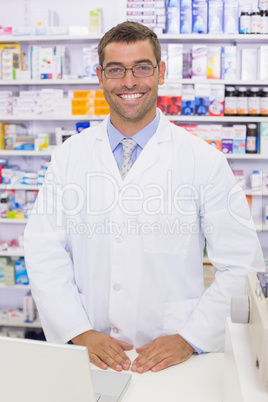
point(141, 138)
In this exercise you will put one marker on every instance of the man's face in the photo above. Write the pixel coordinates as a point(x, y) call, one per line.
point(130, 98)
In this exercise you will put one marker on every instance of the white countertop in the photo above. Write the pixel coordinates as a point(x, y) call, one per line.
point(199, 379)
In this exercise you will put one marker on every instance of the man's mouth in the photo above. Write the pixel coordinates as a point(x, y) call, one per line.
point(130, 96)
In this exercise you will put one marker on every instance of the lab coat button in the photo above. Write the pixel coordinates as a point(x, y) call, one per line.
point(117, 287)
point(116, 330)
point(119, 239)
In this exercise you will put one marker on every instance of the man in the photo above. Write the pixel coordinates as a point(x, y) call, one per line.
point(114, 247)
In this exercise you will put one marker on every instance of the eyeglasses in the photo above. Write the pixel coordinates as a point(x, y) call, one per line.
point(139, 71)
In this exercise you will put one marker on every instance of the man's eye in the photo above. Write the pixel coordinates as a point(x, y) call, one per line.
point(144, 67)
point(113, 70)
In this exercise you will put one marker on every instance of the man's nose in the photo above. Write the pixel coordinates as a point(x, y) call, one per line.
point(129, 80)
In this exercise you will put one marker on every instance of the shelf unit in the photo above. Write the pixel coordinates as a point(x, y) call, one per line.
point(85, 39)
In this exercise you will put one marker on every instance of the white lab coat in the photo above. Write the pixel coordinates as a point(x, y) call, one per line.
point(125, 257)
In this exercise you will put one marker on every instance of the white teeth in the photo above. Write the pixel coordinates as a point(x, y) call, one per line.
point(130, 96)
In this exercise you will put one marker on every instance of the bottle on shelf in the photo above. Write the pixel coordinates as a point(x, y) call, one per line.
point(264, 102)
point(254, 101)
point(245, 20)
point(230, 101)
point(242, 102)
point(252, 139)
point(255, 21)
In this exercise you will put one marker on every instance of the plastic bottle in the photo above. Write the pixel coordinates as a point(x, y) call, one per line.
point(263, 21)
point(264, 102)
point(255, 21)
point(252, 139)
point(242, 102)
point(230, 101)
point(254, 101)
point(245, 21)
point(4, 205)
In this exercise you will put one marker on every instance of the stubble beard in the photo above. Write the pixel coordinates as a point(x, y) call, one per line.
point(127, 113)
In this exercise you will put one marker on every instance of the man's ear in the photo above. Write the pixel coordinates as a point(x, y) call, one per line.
point(162, 72)
point(99, 75)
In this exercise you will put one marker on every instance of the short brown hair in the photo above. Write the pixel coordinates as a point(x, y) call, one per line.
point(129, 32)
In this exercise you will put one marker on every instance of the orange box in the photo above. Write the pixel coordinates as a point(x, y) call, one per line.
point(101, 110)
point(82, 103)
point(84, 94)
point(82, 111)
point(100, 102)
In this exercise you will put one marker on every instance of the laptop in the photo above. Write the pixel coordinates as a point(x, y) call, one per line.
point(32, 371)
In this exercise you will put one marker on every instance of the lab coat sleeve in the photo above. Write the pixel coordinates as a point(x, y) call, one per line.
point(233, 248)
point(49, 263)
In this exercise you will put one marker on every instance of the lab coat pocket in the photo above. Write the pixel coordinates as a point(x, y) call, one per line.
point(177, 313)
point(171, 234)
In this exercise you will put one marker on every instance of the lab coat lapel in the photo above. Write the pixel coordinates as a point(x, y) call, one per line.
point(105, 154)
point(148, 157)
point(151, 152)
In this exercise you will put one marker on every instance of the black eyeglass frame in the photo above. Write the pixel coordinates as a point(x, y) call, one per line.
point(131, 68)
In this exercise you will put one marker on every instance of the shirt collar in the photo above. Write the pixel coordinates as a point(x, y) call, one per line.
point(141, 137)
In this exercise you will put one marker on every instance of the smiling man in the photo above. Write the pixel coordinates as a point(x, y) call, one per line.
point(151, 193)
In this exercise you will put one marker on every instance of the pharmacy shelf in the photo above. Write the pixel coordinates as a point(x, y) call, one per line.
point(218, 38)
point(13, 221)
point(49, 38)
point(216, 81)
point(51, 118)
point(19, 187)
point(261, 227)
point(219, 119)
point(210, 119)
point(257, 193)
point(162, 38)
point(246, 156)
point(94, 81)
point(14, 287)
point(11, 152)
point(18, 252)
point(49, 82)
point(35, 324)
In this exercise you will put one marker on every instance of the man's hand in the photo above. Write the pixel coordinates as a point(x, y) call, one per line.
point(105, 351)
point(161, 353)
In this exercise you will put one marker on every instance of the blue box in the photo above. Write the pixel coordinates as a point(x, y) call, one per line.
point(200, 17)
point(215, 17)
point(21, 277)
point(186, 21)
point(82, 126)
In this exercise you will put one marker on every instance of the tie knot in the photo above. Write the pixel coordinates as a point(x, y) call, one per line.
point(128, 146)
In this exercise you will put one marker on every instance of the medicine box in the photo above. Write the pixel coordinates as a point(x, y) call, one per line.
point(21, 277)
point(214, 62)
point(230, 18)
point(216, 100)
point(228, 63)
point(199, 62)
point(188, 100)
point(174, 70)
point(215, 17)
point(249, 64)
point(200, 17)
point(239, 141)
point(202, 94)
point(264, 138)
point(227, 140)
point(215, 136)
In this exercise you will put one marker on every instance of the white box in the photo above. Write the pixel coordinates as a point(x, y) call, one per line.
point(174, 61)
point(263, 62)
point(249, 64)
